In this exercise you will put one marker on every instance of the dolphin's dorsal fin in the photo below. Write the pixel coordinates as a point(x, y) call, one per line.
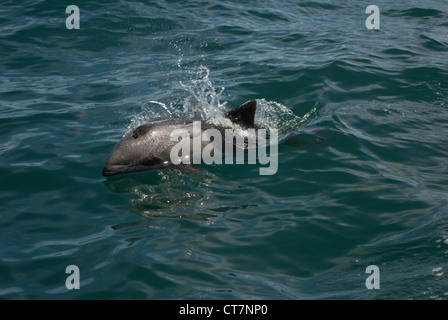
point(244, 115)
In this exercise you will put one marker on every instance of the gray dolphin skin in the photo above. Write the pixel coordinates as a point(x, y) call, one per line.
point(148, 147)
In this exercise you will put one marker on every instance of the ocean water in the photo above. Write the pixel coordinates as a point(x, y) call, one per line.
point(362, 174)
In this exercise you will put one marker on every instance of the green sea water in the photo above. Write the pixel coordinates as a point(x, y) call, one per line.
point(374, 193)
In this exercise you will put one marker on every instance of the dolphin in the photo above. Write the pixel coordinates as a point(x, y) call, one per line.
point(148, 147)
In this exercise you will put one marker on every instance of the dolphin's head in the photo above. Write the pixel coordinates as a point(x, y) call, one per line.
point(140, 150)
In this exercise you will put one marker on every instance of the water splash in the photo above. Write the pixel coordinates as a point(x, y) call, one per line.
point(150, 111)
point(204, 99)
point(204, 102)
point(273, 115)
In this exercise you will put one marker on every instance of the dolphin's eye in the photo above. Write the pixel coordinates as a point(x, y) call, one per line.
point(148, 162)
point(151, 162)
